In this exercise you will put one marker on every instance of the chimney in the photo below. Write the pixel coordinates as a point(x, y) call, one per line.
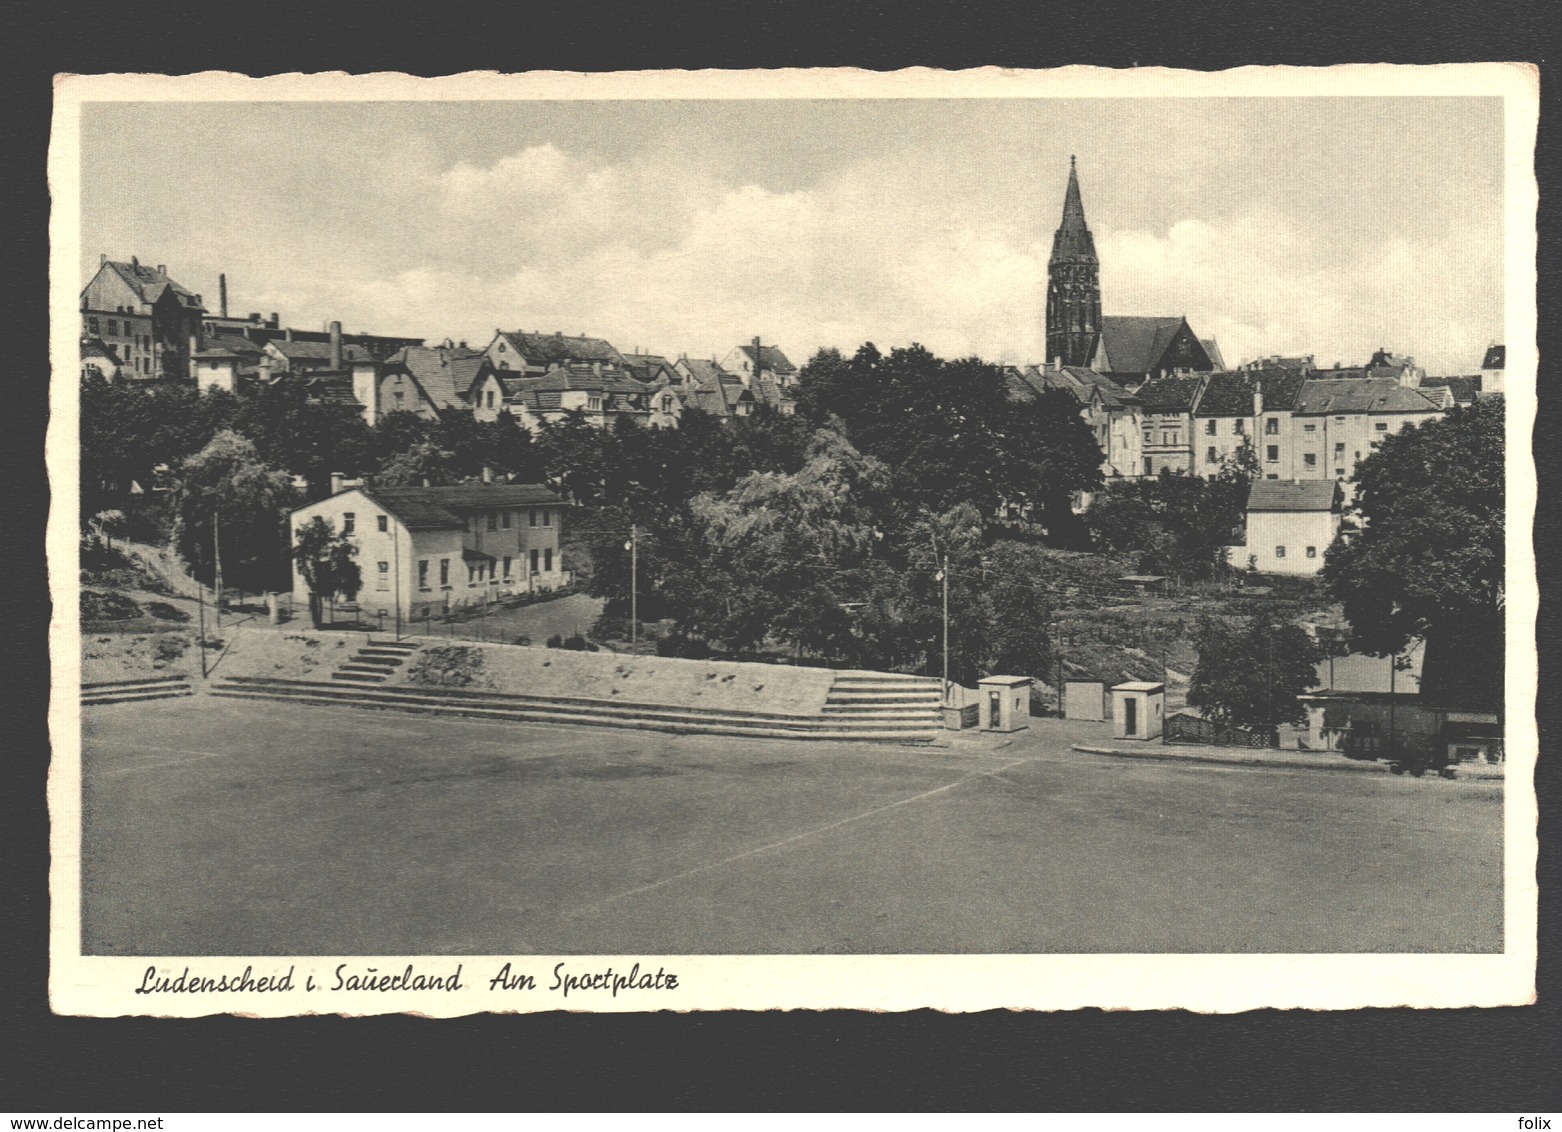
point(222, 295)
point(273, 320)
point(337, 480)
point(195, 347)
point(102, 258)
point(287, 334)
point(336, 345)
point(134, 262)
point(254, 316)
point(1258, 401)
point(162, 269)
point(488, 474)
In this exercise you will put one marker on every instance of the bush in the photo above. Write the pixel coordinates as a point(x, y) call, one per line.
point(165, 612)
point(611, 627)
point(450, 666)
point(556, 641)
point(171, 647)
point(681, 645)
point(96, 606)
point(577, 643)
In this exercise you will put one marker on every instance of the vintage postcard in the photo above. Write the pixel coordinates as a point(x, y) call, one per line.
point(797, 539)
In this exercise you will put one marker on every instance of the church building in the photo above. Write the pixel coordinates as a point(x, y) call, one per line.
point(1129, 349)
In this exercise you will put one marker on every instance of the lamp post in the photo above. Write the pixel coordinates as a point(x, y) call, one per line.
point(943, 577)
point(217, 562)
point(633, 546)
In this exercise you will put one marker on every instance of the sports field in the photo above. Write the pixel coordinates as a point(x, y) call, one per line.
point(220, 827)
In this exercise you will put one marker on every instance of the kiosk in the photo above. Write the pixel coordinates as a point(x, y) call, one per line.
point(1005, 702)
point(1138, 710)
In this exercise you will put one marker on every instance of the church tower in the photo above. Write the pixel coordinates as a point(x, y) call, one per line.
point(1073, 284)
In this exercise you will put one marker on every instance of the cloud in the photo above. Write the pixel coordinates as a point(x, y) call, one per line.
point(659, 250)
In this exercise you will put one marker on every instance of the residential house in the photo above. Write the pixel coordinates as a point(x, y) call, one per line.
point(1132, 350)
point(710, 388)
point(1395, 367)
point(1166, 422)
point(1446, 392)
point(97, 358)
point(429, 380)
point(1337, 421)
point(1110, 411)
point(143, 316)
point(428, 549)
point(601, 394)
point(1493, 367)
point(648, 369)
point(1252, 407)
point(534, 353)
point(767, 373)
point(1290, 525)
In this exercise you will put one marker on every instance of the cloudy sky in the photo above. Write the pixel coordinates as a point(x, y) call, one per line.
point(1328, 226)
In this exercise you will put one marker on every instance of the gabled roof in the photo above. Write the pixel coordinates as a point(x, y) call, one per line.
point(586, 378)
point(1465, 390)
point(1294, 495)
point(1230, 394)
point(1496, 357)
point(771, 358)
point(236, 344)
point(296, 351)
point(1135, 343)
point(701, 369)
point(1169, 394)
point(148, 283)
point(1360, 395)
point(1212, 348)
point(540, 349)
point(436, 508)
point(644, 367)
point(445, 374)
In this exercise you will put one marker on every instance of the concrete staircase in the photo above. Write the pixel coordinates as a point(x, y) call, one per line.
point(134, 691)
point(375, 662)
point(886, 699)
point(914, 722)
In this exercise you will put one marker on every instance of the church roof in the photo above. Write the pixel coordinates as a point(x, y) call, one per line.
point(1496, 357)
point(1212, 348)
point(1136, 343)
point(1073, 240)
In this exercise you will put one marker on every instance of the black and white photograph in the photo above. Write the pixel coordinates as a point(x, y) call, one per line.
point(1028, 539)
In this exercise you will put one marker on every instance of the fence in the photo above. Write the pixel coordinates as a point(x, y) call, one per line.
point(1181, 728)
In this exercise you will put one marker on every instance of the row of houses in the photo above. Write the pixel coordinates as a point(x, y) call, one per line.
point(140, 324)
point(1300, 423)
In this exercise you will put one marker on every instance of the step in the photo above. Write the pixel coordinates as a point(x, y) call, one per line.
point(136, 697)
point(883, 699)
point(140, 682)
point(366, 667)
point(884, 678)
point(534, 715)
point(395, 660)
point(400, 646)
point(892, 711)
point(603, 708)
point(358, 677)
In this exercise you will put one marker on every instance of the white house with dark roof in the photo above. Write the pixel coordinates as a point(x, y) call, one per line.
point(1290, 525)
point(428, 549)
point(143, 316)
point(531, 353)
point(1338, 421)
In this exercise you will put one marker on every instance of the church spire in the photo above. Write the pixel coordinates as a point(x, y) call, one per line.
point(1073, 283)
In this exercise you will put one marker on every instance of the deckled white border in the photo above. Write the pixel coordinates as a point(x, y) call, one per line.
point(1215, 983)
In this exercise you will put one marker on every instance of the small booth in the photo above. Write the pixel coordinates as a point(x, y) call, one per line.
point(1084, 699)
point(1005, 702)
point(1138, 710)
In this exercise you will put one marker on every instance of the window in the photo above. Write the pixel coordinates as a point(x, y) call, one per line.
point(1211, 457)
point(1310, 460)
point(1381, 426)
point(382, 578)
point(92, 325)
point(1147, 467)
point(113, 326)
point(1149, 437)
point(400, 398)
point(1272, 454)
point(383, 523)
point(1272, 427)
point(594, 404)
point(423, 573)
point(507, 561)
point(493, 520)
point(504, 365)
point(1239, 426)
point(1309, 428)
point(1168, 438)
point(1339, 420)
point(507, 517)
point(547, 559)
point(547, 517)
point(1339, 451)
point(531, 517)
point(349, 522)
point(535, 556)
point(444, 573)
point(488, 399)
point(1339, 473)
point(1279, 552)
point(1312, 552)
point(472, 570)
point(1209, 426)
point(667, 404)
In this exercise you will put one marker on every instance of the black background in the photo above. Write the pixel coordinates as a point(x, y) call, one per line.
point(1383, 1060)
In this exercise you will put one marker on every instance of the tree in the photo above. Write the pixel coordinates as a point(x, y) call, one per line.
point(951, 433)
point(1423, 556)
point(226, 493)
point(1251, 671)
point(326, 561)
point(1172, 523)
point(423, 464)
point(304, 437)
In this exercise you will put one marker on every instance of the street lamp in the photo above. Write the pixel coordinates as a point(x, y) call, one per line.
point(943, 577)
point(633, 546)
